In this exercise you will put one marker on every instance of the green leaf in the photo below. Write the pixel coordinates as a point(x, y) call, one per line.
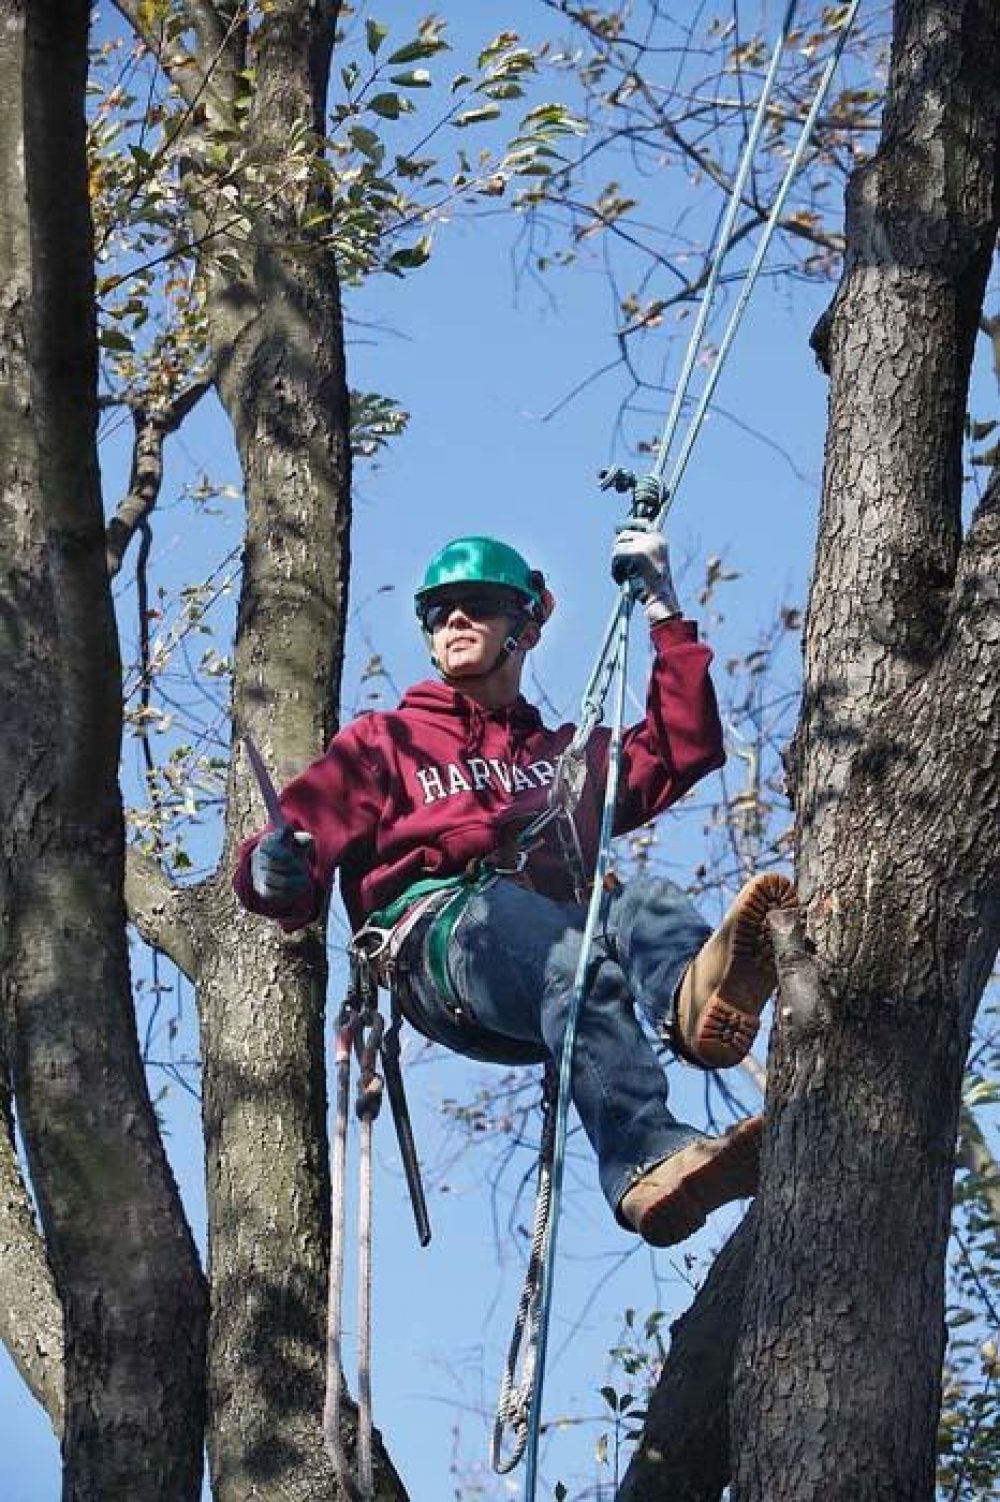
point(416, 78)
point(367, 142)
point(350, 75)
point(388, 106)
point(416, 50)
point(410, 256)
point(376, 34)
point(560, 1493)
point(114, 339)
point(501, 90)
point(610, 1397)
point(499, 44)
point(476, 116)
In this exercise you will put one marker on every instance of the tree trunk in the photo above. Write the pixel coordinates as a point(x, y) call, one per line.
point(123, 1258)
point(276, 334)
point(30, 1314)
point(837, 1382)
point(683, 1455)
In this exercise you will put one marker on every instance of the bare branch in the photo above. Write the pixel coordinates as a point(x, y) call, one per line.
point(152, 426)
point(186, 86)
point(220, 32)
point(974, 1154)
point(161, 910)
point(31, 1321)
point(684, 1450)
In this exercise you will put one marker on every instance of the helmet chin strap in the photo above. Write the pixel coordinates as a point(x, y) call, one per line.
point(511, 643)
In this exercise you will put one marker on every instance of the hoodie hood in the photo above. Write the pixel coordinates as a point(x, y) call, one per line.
point(432, 699)
point(435, 702)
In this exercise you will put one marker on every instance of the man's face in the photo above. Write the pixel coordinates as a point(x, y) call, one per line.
point(468, 632)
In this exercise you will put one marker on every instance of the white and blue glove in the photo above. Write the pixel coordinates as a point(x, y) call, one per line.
point(640, 553)
point(279, 866)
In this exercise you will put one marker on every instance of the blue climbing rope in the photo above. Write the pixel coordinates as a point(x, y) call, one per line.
point(749, 281)
point(612, 657)
point(598, 898)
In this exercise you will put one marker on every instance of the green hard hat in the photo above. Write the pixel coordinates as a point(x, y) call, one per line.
point(481, 560)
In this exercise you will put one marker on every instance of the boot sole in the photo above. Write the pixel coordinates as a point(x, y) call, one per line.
point(730, 1173)
point(730, 1019)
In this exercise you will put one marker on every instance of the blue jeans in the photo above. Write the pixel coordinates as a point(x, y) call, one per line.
point(513, 957)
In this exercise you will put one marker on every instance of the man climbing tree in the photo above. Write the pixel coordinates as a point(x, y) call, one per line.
point(422, 809)
point(896, 771)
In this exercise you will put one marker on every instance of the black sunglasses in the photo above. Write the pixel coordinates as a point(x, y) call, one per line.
point(478, 607)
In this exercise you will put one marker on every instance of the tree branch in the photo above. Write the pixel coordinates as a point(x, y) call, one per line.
point(161, 911)
point(684, 1450)
point(152, 426)
point(220, 33)
point(31, 1320)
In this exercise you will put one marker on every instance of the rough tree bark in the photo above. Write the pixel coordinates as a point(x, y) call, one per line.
point(122, 1256)
point(684, 1450)
point(836, 1390)
point(276, 335)
point(30, 1313)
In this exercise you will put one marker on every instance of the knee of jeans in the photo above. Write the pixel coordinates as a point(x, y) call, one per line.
point(657, 893)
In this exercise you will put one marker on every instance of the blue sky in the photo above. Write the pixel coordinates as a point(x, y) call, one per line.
point(478, 358)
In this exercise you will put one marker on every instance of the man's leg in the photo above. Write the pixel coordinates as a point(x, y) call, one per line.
point(701, 991)
point(513, 959)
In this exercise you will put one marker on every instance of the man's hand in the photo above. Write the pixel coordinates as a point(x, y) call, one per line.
point(279, 866)
point(640, 553)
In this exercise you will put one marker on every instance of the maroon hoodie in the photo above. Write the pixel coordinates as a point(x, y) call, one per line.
point(421, 790)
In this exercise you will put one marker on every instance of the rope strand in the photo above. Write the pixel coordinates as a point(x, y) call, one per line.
point(514, 1402)
point(754, 269)
point(335, 1295)
point(597, 901)
point(612, 658)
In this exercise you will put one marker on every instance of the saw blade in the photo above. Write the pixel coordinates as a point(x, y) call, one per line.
point(267, 788)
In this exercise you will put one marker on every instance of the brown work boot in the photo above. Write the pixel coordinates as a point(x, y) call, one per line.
point(723, 990)
point(675, 1198)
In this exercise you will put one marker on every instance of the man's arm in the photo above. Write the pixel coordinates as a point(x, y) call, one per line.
point(336, 803)
point(680, 740)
